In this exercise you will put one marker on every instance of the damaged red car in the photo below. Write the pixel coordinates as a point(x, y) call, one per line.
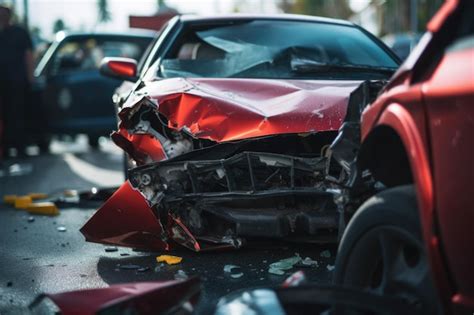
point(230, 125)
point(413, 240)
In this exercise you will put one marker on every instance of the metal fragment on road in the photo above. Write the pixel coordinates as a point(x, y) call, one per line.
point(111, 249)
point(61, 228)
point(326, 254)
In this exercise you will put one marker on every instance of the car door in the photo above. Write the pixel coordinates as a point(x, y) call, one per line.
point(448, 93)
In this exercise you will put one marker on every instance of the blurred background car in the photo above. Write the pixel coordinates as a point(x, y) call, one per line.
point(402, 43)
point(70, 97)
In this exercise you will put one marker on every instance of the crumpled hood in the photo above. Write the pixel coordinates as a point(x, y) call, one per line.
point(235, 109)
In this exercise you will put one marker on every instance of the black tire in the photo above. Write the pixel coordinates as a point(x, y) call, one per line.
point(382, 250)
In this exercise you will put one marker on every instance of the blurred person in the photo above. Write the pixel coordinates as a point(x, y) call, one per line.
point(16, 76)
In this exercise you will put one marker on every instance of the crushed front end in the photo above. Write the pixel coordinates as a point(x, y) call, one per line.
point(218, 169)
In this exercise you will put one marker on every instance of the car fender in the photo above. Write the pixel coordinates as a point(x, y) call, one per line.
point(401, 120)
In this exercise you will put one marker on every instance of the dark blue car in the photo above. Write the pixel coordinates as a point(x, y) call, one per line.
point(70, 96)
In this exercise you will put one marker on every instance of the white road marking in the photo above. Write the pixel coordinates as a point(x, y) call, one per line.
point(91, 173)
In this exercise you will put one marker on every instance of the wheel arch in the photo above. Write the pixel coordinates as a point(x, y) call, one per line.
point(384, 154)
point(394, 151)
point(401, 127)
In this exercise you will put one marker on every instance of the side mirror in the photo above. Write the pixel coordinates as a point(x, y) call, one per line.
point(119, 68)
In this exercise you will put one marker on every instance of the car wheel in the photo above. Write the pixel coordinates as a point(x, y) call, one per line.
point(382, 250)
point(93, 141)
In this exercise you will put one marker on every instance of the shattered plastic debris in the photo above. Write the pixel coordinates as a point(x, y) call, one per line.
point(325, 254)
point(287, 263)
point(330, 267)
point(234, 271)
point(170, 260)
point(279, 267)
point(23, 202)
point(111, 249)
point(70, 193)
point(61, 228)
point(43, 208)
point(294, 280)
point(180, 275)
point(69, 196)
point(308, 262)
point(37, 196)
point(9, 199)
point(274, 271)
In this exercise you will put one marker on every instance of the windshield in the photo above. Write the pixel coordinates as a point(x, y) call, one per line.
point(276, 49)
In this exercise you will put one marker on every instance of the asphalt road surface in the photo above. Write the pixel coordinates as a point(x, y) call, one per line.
point(36, 257)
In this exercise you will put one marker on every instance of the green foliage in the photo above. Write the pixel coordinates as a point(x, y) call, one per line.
point(329, 8)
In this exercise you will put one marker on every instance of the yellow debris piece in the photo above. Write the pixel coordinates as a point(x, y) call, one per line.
point(36, 196)
point(170, 260)
point(9, 199)
point(23, 202)
point(45, 208)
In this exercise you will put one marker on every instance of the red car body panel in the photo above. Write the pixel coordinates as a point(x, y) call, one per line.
point(435, 122)
point(142, 147)
point(125, 219)
point(235, 109)
point(449, 99)
point(133, 298)
point(439, 18)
